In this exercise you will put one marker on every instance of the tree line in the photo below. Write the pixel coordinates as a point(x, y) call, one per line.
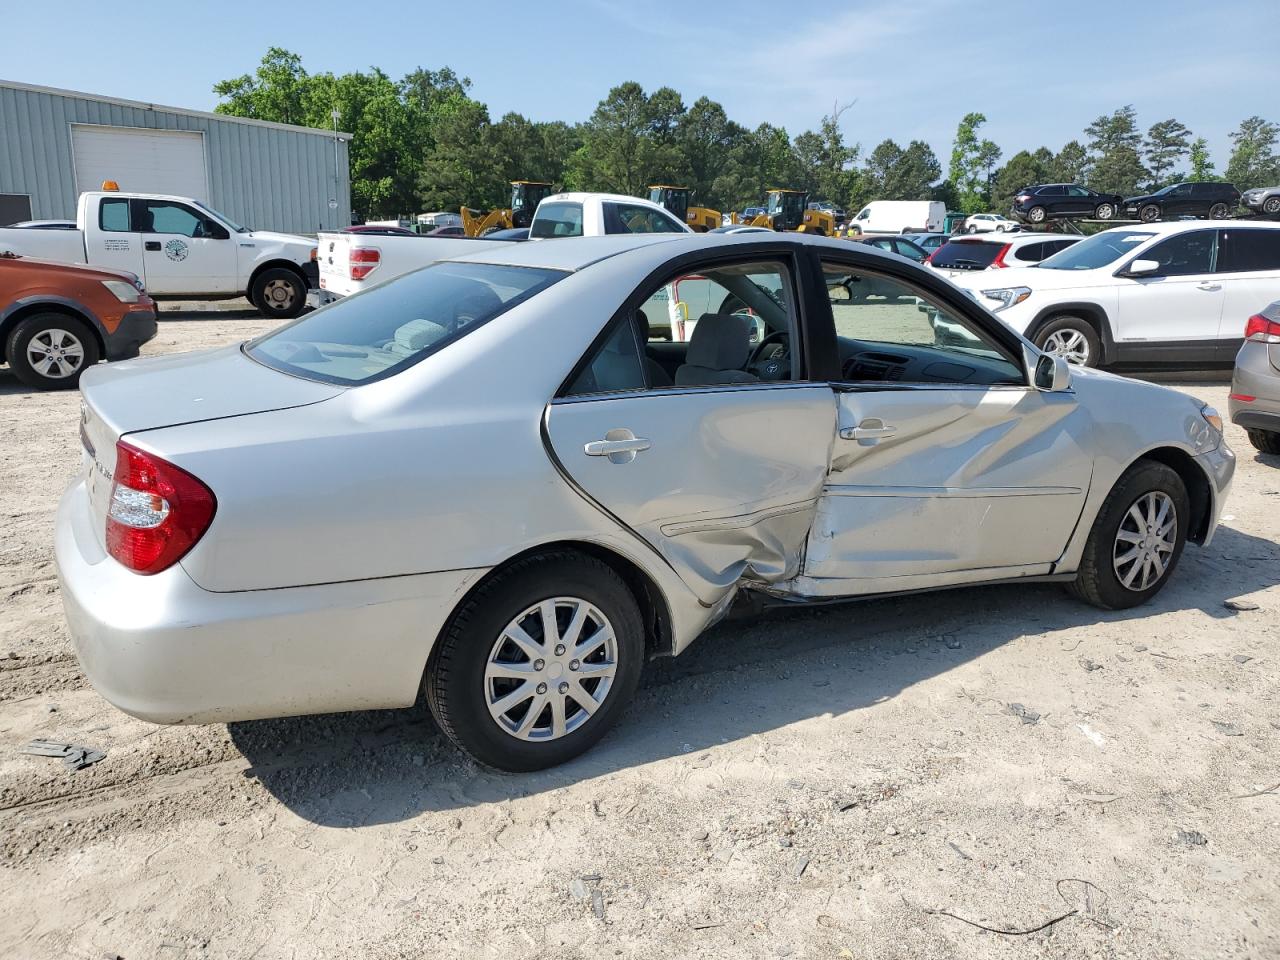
point(424, 143)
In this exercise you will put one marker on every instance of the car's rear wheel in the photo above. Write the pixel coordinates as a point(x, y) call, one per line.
point(537, 665)
point(1271, 205)
point(1037, 214)
point(279, 294)
point(1104, 211)
point(1219, 211)
point(49, 351)
point(1072, 338)
point(1266, 441)
point(1149, 213)
point(1136, 540)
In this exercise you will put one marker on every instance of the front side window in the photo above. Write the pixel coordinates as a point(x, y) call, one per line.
point(164, 216)
point(1097, 251)
point(557, 220)
point(113, 215)
point(1077, 191)
point(890, 331)
point(1186, 254)
point(390, 327)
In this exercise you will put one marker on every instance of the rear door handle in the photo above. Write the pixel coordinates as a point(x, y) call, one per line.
point(620, 446)
point(1206, 285)
point(870, 429)
point(152, 245)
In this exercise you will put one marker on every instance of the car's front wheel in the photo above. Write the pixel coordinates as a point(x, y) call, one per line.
point(49, 351)
point(1271, 205)
point(278, 293)
point(537, 665)
point(1136, 540)
point(1073, 339)
point(1149, 213)
point(1265, 441)
point(1104, 211)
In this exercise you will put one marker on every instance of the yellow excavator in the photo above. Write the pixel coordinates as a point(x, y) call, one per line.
point(676, 201)
point(525, 197)
point(789, 210)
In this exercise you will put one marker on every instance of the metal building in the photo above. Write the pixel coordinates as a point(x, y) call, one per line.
point(54, 144)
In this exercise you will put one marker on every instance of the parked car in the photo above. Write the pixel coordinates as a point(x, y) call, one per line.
point(1254, 402)
point(1161, 292)
point(59, 319)
point(1053, 201)
point(474, 482)
point(450, 231)
point(899, 245)
point(994, 251)
point(898, 216)
point(1216, 201)
point(1262, 200)
point(43, 225)
point(180, 248)
point(988, 223)
point(929, 241)
point(826, 206)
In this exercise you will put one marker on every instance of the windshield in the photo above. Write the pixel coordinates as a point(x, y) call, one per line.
point(967, 254)
point(392, 326)
point(775, 202)
point(223, 217)
point(1096, 251)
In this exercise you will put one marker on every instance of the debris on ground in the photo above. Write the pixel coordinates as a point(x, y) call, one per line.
point(1097, 739)
point(1240, 605)
point(1022, 713)
point(72, 755)
point(1241, 658)
point(1227, 729)
point(961, 853)
point(1090, 665)
point(1192, 838)
point(597, 904)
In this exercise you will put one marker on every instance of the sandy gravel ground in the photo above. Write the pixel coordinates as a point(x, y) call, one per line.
point(822, 784)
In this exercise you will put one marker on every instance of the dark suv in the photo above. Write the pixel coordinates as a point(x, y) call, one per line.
point(1054, 201)
point(1213, 200)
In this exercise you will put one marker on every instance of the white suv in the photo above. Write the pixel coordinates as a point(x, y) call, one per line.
point(1161, 292)
point(989, 223)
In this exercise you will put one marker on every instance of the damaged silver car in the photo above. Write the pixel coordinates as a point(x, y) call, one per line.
point(485, 480)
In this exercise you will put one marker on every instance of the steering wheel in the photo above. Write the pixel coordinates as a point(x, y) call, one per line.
point(771, 359)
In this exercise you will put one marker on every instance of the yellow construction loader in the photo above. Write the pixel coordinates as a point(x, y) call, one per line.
point(789, 210)
point(525, 197)
point(676, 201)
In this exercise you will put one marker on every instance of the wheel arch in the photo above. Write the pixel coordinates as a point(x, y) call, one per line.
point(272, 265)
point(25, 308)
point(1086, 310)
point(1199, 488)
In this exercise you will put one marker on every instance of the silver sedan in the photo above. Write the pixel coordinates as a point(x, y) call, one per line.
point(485, 480)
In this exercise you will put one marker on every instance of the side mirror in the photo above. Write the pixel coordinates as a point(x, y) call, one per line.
point(1142, 268)
point(1051, 374)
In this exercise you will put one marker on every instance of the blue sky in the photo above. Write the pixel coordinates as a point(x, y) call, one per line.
point(1040, 71)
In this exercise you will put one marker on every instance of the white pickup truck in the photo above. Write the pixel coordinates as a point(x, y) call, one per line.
point(180, 248)
point(349, 262)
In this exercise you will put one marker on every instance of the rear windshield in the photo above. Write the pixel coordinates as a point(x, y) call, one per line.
point(1096, 251)
point(389, 327)
point(557, 220)
point(966, 254)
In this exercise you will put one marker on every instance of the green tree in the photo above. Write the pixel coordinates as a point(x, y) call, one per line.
point(892, 173)
point(631, 141)
point(825, 163)
point(1254, 162)
point(972, 162)
point(462, 168)
point(1070, 164)
point(1114, 144)
point(1167, 142)
point(1024, 169)
point(1201, 163)
point(707, 138)
point(276, 91)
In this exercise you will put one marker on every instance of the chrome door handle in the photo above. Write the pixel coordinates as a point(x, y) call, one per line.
point(620, 446)
point(1206, 285)
point(870, 429)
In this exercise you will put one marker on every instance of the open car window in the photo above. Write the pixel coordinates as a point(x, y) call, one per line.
point(389, 327)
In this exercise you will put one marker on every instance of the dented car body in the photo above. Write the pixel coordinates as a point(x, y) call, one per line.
point(485, 479)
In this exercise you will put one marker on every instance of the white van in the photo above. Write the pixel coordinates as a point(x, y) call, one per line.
point(899, 216)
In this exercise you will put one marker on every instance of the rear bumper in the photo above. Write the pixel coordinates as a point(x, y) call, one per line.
point(135, 328)
point(1256, 376)
point(165, 650)
point(318, 297)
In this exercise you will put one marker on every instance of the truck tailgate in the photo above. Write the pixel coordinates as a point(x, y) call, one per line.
point(350, 262)
point(65, 246)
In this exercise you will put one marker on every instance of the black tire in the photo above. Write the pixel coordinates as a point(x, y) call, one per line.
point(1096, 581)
point(278, 293)
point(57, 336)
point(1219, 211)
point(1037, 215)
point(1266, 441)
point(1149, 213)
point(1104, 211)
point(1066, 324)
point(455, 678)
point(1271, 206)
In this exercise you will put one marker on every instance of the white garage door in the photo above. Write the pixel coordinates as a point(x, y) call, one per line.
point(141, 161)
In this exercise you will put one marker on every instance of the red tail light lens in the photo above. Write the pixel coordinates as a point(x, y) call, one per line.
point(999, 260)
point(158, 512)
point(362, 261)
point(1262, 329)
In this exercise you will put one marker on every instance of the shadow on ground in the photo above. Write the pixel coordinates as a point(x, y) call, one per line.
point(783, 667)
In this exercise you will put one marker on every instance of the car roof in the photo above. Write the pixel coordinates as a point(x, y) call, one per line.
point(1019, 237)
point(1181, 226)
point(579, 196)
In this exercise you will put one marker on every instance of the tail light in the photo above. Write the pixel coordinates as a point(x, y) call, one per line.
point(362, 261)
point(158, 511)
point(999, 260)
point(1262, 329)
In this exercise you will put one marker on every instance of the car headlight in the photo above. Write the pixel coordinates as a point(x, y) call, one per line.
point(1007, 296)
point(123, 290)
point(1212, 417)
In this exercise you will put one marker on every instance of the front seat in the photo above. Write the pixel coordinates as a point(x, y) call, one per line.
point(658, 377)
point(718, 349)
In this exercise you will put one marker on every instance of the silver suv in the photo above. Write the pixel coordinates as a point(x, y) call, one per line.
point(1255, 386)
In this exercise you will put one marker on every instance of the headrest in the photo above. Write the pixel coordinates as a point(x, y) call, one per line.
point(720, 341)
point(418, 335)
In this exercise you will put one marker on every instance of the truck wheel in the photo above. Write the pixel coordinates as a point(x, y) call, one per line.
point(279, 294)
point(49, 351)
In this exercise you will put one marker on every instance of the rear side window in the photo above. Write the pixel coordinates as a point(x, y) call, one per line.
point(1053, 191)
point(1029, 252)
point(392, 326)
point(557, 220)
point(624, 218)
point(966, 255)
point(1245, 251)
point(113, 215)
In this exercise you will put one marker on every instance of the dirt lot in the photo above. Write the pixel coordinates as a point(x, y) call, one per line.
point(817, 784)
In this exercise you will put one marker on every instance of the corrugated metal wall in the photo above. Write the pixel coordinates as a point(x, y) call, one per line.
point(267, 177)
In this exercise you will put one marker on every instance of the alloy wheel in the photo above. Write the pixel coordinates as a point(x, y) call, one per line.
point(1218, 211)
point(55, 353)
point(1271, 205)
point(1146, 541)
point(1149, 213)
point(1070, 345)
point(1105, 211)
point(550, 669)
